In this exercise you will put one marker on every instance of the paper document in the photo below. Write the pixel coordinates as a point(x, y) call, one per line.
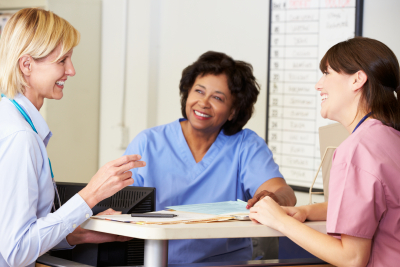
point(217, 208)
point(183, 217)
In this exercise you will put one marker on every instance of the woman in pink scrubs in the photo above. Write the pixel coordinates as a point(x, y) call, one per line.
point(358, 89)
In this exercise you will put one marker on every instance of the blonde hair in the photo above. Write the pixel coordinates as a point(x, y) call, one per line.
point(35, 32)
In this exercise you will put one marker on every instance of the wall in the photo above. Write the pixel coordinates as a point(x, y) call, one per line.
point(381, 19)
point(18, 4)
point(74, 120)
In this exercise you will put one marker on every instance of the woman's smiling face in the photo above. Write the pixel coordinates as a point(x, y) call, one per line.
point(46, 78)
point(336, 94)
point(209, 103)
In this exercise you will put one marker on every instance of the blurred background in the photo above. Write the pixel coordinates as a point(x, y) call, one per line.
point(129, 63)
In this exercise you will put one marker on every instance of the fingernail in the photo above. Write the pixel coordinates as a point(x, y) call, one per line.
point(247, 207)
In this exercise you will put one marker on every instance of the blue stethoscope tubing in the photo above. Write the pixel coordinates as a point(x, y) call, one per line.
point(28, 119)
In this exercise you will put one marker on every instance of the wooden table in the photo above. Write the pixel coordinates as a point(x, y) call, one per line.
point(157, 236)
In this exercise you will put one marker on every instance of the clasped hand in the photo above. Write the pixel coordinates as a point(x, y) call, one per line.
point(260, 196)
point(268, 212)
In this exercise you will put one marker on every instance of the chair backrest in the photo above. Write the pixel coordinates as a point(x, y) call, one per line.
point(330, 136)
point(131, 199)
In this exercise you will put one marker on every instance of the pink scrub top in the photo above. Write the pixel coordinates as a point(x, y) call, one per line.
point(364, 190)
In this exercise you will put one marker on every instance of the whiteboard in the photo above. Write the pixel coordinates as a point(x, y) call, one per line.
point(301, 31)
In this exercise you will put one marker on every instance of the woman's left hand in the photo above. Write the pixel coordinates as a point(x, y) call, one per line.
point(80, 235)
point(268, 212)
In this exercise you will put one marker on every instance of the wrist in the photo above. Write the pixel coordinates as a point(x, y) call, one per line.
point(73, 239)
point(77, 237)
point(306, 210)
point(283, 223)
point(88, 197)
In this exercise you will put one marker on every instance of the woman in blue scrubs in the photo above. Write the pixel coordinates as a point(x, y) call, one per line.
point(35, 62)
point(207, 156)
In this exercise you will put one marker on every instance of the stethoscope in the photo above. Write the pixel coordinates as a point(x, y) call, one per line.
point(23, 113)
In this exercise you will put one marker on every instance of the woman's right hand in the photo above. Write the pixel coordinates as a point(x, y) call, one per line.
point(110, 179)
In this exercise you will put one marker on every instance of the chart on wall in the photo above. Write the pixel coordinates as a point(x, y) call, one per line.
point(301, 31)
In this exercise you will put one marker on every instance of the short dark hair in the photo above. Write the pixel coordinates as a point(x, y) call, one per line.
point(241, 82)
point(382, 69)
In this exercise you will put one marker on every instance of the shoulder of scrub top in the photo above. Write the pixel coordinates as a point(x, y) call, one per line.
point(249, 140)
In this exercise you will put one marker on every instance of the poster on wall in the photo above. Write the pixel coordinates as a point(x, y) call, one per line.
point(301, 31)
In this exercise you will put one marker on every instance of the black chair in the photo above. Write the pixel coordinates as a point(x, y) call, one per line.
point(129, 200)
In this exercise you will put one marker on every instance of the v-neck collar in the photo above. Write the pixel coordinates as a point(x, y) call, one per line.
point(199, 167)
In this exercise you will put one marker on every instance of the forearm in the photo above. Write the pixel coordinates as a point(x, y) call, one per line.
point(286, 196)
point(348, 251)
point(323, 246)
point(316, 212)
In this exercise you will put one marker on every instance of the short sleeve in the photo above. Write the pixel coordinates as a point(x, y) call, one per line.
point(356, 202)
point(256, 163)
point(138, 147)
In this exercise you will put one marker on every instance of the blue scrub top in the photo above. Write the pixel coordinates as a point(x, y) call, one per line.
point(233, 168)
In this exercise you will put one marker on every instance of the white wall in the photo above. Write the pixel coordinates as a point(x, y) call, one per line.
point(381, 22)
point(190, 28)
point(19, 4)
point(74, 120)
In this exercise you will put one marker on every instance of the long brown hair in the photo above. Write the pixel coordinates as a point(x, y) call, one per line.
point(382, 69)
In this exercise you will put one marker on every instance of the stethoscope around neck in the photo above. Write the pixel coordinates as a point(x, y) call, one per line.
point(28, 119)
